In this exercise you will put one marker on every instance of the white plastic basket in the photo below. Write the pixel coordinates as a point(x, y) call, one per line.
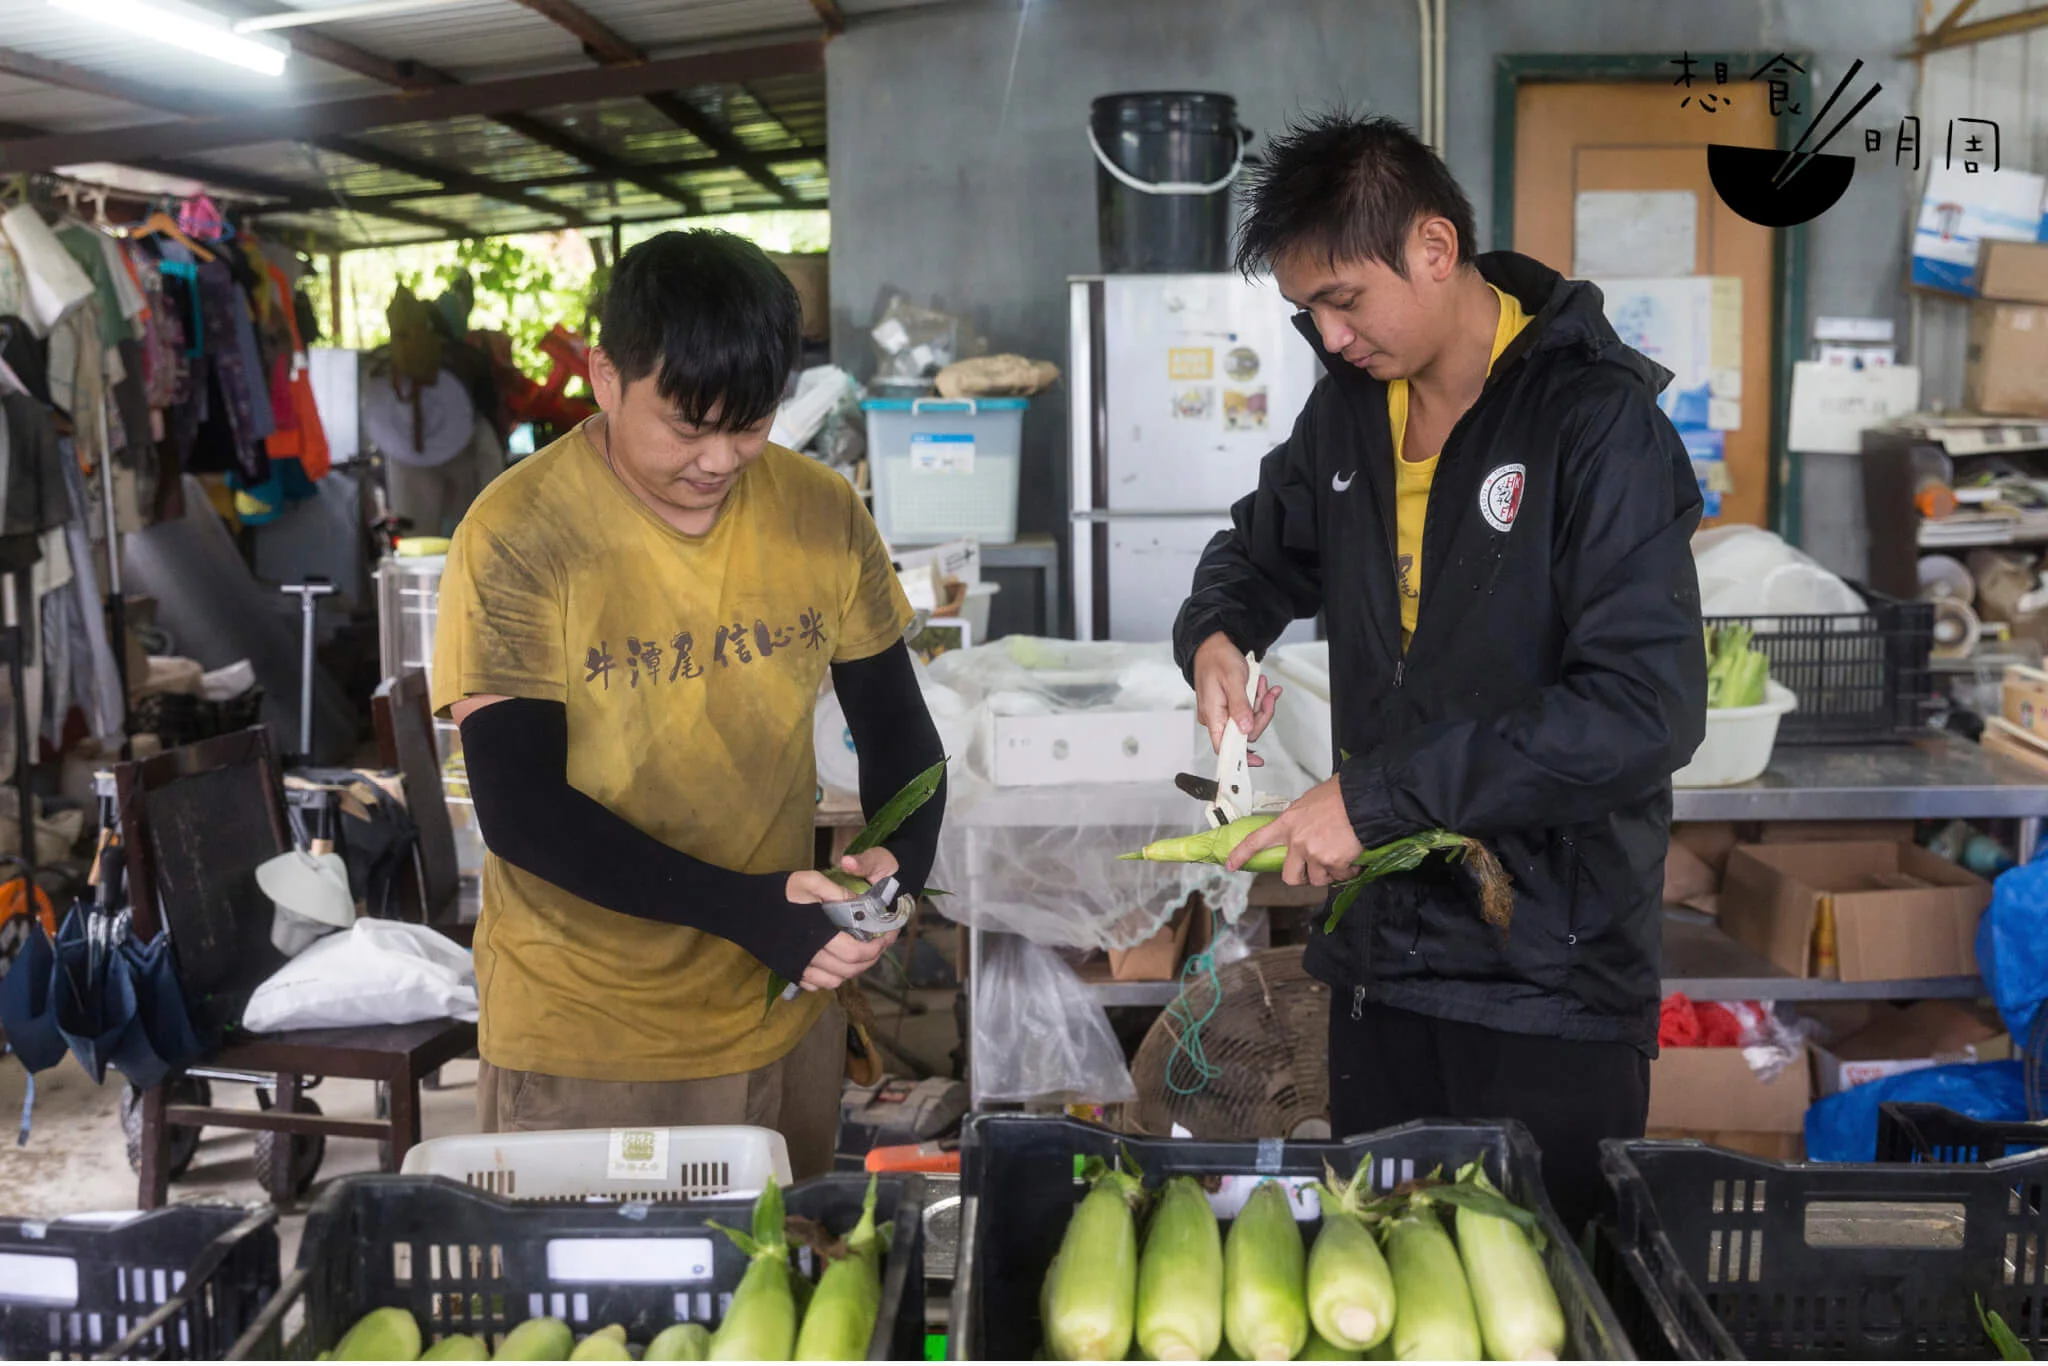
point(1738, 743)
point(695, 1163)
point(944, 468)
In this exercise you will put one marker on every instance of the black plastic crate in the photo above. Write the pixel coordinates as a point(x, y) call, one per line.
point(464, 1261)
point(1739, 1257)
point(1910, 1131)
point(177, 1284)
point(1859, 676)
point(1026, 1167)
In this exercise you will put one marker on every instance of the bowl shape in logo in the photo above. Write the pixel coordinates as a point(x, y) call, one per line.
point(1748, 180)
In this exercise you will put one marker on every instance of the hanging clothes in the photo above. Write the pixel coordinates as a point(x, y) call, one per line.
point(299, 434)
point(94, 676)
point(56, 285)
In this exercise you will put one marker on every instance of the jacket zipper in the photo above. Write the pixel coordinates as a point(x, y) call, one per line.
point(1571, 905)
point(1400, 669)
point(1358, 1003)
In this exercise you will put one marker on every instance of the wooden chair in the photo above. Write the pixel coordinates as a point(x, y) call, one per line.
point(404, 719)
point(196, 822)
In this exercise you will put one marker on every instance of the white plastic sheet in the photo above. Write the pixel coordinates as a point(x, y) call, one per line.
point(1038, 1033)
point(1042, 863)
point(377, 972)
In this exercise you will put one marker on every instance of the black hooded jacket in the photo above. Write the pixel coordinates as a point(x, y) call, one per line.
point(1555, 681)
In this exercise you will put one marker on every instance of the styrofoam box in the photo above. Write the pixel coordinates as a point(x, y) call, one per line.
point(1088, 747)
point(945, 467)
point(1837, 1074)
point(1302, 716)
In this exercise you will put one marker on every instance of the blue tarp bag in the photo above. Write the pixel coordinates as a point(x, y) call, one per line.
point(1843, 1127)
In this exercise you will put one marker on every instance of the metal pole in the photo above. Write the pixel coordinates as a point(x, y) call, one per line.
point(310, 592)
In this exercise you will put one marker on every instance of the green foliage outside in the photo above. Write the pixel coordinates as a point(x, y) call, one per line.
point(525, 283)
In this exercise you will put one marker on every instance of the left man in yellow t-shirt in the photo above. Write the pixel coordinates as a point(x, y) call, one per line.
point(634, 627)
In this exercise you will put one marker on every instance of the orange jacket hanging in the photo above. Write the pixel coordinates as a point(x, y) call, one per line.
point(304, 439)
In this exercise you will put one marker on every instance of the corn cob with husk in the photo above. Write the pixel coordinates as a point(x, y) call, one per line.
point(1350, 1291)
point(1434, 1319)
point(1265, 1313)
point(841, 1317)
point(1089, 1298)
point(1519, 1316)
point(760, 1324)
point(1404, 855)
point(1180, 1277)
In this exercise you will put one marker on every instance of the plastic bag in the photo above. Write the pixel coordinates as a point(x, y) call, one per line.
point(379, 972)
point(1843, 1127)
point(2012, 945)
point(913, 342)
point(1039, 1034)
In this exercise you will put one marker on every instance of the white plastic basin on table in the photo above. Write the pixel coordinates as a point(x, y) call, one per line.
point(1738, 744)
point(693, 1163)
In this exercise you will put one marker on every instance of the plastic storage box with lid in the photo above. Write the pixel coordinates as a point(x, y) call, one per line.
point(945, 467)
point(1019, 1175)
point(697, 1163)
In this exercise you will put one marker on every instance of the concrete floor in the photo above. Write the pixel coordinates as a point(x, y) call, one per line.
point(76, 1160)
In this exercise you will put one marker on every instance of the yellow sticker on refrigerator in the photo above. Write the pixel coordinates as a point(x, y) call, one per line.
point(1191, 362)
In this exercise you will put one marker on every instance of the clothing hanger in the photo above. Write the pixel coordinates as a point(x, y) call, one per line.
point(161, 222)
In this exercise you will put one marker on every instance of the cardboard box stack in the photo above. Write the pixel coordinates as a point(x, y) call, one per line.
point(2007, 370)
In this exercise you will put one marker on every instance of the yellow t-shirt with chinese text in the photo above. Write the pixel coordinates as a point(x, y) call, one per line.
point(1412, 478)
point(690, 667)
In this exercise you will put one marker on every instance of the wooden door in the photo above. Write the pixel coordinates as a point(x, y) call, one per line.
point(1633, 135)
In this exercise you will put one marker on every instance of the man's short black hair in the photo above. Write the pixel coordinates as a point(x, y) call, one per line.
point(1348, 189)
point(714, 321)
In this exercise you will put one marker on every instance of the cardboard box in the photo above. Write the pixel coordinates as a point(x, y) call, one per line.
point(2023, 699)
point(1897, 910)
point(1834, 832)
point(811, 273)
point(1159, 958)
point(2003, 737)
point(2007, 367)
point(1959, 211)
point(1770, 1147)
point(2013, 271)
point(1925, 1034)
point(1714, 1089)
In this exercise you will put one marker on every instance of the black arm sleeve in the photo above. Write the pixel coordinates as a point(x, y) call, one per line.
point(896, 741)
point(1264, 573)
point(517, 755)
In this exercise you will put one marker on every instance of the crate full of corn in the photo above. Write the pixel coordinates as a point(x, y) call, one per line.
point(1424, 1242)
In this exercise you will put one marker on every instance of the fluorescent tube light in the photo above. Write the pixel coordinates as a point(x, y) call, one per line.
point(185, 26)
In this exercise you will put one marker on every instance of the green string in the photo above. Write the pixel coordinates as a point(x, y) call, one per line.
point(1188, 1053)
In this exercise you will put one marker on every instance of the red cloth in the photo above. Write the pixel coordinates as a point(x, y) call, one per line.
point(1684, 1023)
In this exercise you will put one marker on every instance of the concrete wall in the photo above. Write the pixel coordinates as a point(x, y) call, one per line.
point(960, 175)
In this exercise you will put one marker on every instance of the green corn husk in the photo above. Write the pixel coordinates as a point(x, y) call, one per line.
point(1350, 1290)
point(542, 1339)
point(1404, 855)
point(457, 1347)
point(1089, 1299)
point(1736, 670)
point(841, 1318)
point(390, 1334)
point(2008, 1343)
point(680, 1342)
point(906, 803)
point(1519, 1316)
point(1434, 1319)
point(1265, 1311)
point(1180, 1277)
point(760, 1325)
point(606, 1344)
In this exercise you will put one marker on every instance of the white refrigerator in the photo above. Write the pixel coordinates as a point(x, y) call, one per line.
point(1180, 384)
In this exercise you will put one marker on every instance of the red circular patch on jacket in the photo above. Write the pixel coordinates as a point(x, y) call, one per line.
point(1500, 497)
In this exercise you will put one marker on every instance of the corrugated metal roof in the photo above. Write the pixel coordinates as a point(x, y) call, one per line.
point(473, 40)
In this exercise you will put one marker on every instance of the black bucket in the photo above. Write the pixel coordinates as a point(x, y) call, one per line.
point(1164, 163)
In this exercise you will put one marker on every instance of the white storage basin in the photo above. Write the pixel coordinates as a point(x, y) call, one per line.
point(694, 1163)
point(944, 468)
point(1739, 740)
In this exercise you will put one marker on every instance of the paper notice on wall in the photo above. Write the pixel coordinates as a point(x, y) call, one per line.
point(1832, 405)
point(1640, 233)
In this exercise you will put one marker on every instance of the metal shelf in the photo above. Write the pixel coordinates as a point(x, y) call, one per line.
point(1699, 961)
point(1925, 780)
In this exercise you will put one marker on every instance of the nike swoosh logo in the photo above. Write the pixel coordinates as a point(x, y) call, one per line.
point(1340, 482)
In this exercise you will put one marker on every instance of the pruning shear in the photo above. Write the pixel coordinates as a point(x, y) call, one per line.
point(1230, 796)
point(881, 909)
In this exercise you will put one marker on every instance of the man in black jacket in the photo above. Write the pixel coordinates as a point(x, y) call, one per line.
point(1485, 504)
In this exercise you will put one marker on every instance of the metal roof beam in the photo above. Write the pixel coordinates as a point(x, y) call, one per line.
point(453, 179)
point(293, 195)
point(312, 122)
point(607, 46)
point(648, 171)
point(46, 71)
